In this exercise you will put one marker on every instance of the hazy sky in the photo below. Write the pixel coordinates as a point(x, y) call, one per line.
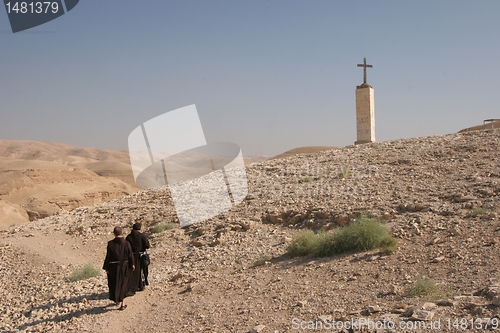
point(266, 75)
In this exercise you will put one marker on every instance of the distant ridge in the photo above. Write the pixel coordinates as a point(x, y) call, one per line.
point(303, 150)
point(104, 162)
point(495, 124)
point(255, 159)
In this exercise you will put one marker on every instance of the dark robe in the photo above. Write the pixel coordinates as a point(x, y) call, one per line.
point(139, 243)
point(118, 263)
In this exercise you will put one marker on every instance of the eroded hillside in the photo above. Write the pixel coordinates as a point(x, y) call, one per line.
point(39, 178)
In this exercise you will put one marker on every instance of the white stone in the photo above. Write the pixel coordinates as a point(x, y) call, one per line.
point(258, 329)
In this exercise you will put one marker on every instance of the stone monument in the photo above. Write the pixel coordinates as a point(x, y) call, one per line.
point(365, 110)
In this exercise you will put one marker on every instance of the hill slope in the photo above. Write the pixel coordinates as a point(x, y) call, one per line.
point(107, 163)
point(303, 150)
point(492, 125)
point(439, 196)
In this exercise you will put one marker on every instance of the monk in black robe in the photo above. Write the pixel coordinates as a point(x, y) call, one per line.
point(119, 264)
point(139, 243)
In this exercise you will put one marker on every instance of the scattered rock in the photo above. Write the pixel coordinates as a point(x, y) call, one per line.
point(464, 198)
point(197, 243)
point(301, 304)
point(445, 302)
point(273, 219)
point(429, 306)
point(257, 329)
point(422, 315)
point(176, 277)
point(373, 308)
point(193, 287)
point(199, 231)
point(409, 311)
point(248, 225)
point(435, 241)
point(342, 220)
point(395, 289)
point(437, 259)
point(236, 227)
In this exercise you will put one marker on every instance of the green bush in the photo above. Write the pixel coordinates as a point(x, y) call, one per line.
point(388, 245)
point(303, 244)
point(363, 235)
point(428, 287)
point(325, 245)
point(477, 212)
point(85, 272)
point(162, 227)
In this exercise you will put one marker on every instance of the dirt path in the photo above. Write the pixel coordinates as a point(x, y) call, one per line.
point(58, 250)
point(127, 320)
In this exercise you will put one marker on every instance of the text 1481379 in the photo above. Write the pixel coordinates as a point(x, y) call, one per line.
point(32, 7)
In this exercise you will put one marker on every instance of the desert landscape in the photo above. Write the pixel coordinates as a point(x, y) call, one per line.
point(39, 178)
point(437, 196)
point(297, 166)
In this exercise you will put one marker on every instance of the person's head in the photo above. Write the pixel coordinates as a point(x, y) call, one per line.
point(118, 231)
point(136, 226)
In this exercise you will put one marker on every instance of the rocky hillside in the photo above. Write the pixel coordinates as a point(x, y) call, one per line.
point(439, 196)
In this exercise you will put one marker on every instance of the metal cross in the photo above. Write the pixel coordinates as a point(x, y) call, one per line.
point(364, 65)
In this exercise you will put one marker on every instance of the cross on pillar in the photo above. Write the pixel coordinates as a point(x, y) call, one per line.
point(365, 66)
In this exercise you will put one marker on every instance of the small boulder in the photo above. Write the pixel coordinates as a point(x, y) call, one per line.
point(445, 302)
point(422, 315)
point(301, 304)
point(257, 329)
point(374, 309)
point(429, 306)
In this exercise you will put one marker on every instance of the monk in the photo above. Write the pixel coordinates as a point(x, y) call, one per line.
point(139, 243)
point(119, 264)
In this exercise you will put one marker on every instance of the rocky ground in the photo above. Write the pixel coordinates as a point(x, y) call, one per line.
point(438, 195)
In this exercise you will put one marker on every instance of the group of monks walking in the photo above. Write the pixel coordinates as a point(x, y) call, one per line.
point(123, 264)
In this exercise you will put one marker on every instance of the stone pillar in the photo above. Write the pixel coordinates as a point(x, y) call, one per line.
point(365, 114)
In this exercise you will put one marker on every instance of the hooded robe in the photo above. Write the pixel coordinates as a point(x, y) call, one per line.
point(139, 243)
point(118, 263)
